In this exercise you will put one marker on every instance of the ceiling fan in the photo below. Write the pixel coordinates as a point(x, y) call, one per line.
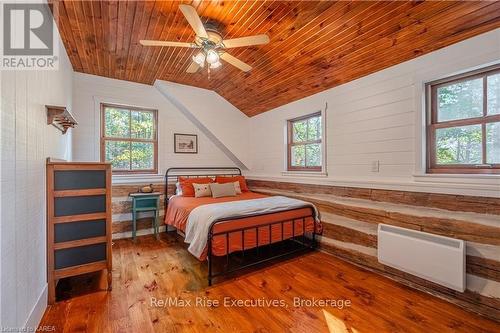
point(211, 44)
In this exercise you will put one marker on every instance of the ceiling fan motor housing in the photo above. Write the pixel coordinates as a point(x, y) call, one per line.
point(214, 38)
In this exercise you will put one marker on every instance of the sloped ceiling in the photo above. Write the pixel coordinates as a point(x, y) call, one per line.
point(232, 140)
point(315, 45)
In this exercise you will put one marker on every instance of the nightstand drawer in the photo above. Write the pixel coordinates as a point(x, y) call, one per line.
point(150, 202)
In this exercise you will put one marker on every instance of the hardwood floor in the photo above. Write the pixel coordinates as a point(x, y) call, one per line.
point(163, 269)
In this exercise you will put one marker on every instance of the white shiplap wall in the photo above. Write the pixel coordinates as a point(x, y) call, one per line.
point(377, 118)
point(26, 141)
point(90, 91)
point(221, 121)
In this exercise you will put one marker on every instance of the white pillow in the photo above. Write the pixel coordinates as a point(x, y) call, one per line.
point(202, 190)
point(178, 188)
point(237, 187)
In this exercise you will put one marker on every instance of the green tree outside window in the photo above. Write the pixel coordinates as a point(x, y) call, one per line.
point(129, 138)
point(465, 123)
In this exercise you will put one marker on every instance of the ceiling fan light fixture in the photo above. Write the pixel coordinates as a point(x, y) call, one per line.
point(199, 58)
point(215, 65)
point(212, 57)
point(210, 44)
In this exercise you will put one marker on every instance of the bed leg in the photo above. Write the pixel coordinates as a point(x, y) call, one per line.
point(209, 258)
point(313, 243)
point(209, 271)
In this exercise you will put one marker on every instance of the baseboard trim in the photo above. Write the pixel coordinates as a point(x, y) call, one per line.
point(38, 310)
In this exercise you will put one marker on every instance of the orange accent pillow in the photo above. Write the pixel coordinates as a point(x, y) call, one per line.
point(241, 179)
point(186, 184)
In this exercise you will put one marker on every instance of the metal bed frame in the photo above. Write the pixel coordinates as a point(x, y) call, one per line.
point(301, 243)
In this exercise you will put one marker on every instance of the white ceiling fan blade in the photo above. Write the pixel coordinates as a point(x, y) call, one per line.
point(193, 68)
point(235, 62)
point(246, 41)
point(166, 43)
point(194, 20)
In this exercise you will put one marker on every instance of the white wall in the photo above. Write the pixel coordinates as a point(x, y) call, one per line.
point(90, 91)
point(377, 118)
point(220, 120)
point(26, 141)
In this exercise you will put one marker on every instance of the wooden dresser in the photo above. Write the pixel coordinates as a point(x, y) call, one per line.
point(78, 221)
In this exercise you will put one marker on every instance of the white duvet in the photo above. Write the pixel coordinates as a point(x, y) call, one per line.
point(200, 218)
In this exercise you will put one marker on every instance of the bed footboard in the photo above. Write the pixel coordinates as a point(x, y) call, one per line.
point(302, 238)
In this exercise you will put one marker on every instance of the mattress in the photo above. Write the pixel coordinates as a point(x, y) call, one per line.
point(180, 207)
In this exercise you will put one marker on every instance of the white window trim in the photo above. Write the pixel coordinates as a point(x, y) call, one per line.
point(304, 173)
point(300, 173)
point(132, 177)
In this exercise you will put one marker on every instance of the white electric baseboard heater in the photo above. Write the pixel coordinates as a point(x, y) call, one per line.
point(432, 257)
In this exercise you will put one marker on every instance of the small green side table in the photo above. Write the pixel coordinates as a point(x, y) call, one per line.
point(145, 202)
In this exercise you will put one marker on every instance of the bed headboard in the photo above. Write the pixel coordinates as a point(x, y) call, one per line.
point(173, 174)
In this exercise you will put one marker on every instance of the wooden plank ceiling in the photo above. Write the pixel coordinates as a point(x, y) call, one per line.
point(315, 45)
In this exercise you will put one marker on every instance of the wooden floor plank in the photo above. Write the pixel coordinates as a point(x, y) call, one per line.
point(163, 268)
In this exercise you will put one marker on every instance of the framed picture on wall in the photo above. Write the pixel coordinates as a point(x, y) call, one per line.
point(185, 143)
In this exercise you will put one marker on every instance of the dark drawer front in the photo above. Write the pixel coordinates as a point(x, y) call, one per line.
point(79, 179)
point(146, 202)
point(64, 232)
point(79, 255)
point(64, 206)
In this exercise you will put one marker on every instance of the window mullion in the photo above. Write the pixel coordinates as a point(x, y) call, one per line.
point(130, 137)
point(111, 138)
point(305, 142)
point(485, 96)
point(483, 136)
point(130, 155)
point(460, 122)
point(307, 129)
point(305, 154)
point(130, 124)
point(485, 113)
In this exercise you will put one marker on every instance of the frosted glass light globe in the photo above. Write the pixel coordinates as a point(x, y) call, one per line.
point(199, 58)
point(212, 57)
point(215, 65)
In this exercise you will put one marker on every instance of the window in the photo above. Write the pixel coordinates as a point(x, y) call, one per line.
point(129, 138)
point(304, 143)
point(464, 123)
